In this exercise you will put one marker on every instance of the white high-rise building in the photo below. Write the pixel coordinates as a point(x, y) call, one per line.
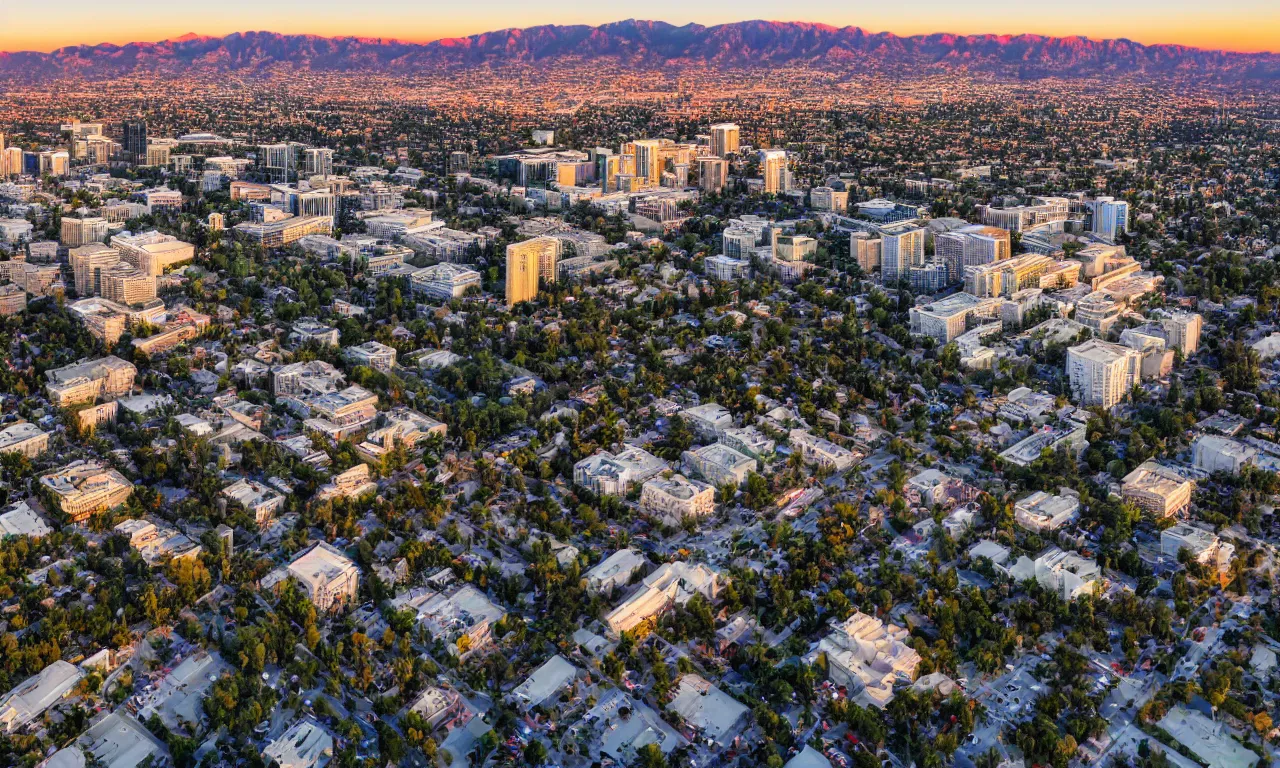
point(1109, 217)
point(1102, 373)
point(725, 138)
point(900, 252)
point(773, 168)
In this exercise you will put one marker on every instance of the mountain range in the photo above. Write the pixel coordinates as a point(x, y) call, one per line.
point(653, 44)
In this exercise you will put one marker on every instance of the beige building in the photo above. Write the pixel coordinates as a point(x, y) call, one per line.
point(84, 488)
point(153, 252)
point(1157, 489)
point(1101, 373)
point(725, 139)
point(78, 232)
point(108, 377)
point(13, 299)
point(675, 498)
point(126, 284)
point(528, 261)
point(327, 576)
point(88, 263)
point(670, 585)
point(869, 657)
point(25, 438)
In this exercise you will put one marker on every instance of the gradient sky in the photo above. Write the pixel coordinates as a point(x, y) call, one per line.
point(1242, 25)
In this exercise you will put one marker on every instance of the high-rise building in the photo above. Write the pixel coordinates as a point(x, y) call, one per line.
point(527, 261)
point(773, 168)
point(135, 141)
point(276, 161)
point(1182, 330)
point(1108, 217)
point(713, 174)
point(828, 199)
point(900, 251)
point(971, 246)
point(78, 232)
point(865, 251)
point(725, 138)
point(317, 161)
point(12, 161)
point(88, 263)
point(649, 160)
point(1101, 373)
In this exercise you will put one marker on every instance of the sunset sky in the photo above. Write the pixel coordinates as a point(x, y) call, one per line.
point(1242, 25)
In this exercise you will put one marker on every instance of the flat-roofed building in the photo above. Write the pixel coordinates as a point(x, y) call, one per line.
point(714, 714)
point(615, 571)
point(305, 745)
point(676, 498)
point(19, 519)
point(108, 377)
point(282, 232)
point(1066, 574)
point(125, 284)
point(555, 674)
point(748, 440)
point(404, 426)
point(84, 488)
point(327, 576)
point(1157, 489)
point(708, 420)
point(971, 246)
point(718, 464)
point(120, 741)
point(309, 329)
point(1043, 511)
point(13, 299)
point(25, 438)
point(461, 616)
point(444, 281)
point(528, 262)
point(307, 379)
point(78, 232)
point(1222, 454)
point(1182, 330)
point(88, 263)
point(820, 452)
point(1101, 373)
point(611, 474)
point(899, 252)
point(374, 354)
point(351, 484)
point(672, 584)
point(869, 657)
point(947, 318)
point(153, 252)
point(258, 500)
point(340, 414)
point(1205, 547)
point(33, 696)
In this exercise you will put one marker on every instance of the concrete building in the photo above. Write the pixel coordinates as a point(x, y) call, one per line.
point(351, 484)
point(82, 231)
point(282, 232)
point(725, 139)
point(774, 171)
point(403, 426)
point(83, 488)
point(555, 674)
point(718, 464)
point(1157, 489)
point(258, 500)
point(868, 657)
point(127, 285)
point(866, 251)
point(1222, 454)
point(899, 252)
point(1101, 373)
point(153, 252)
point(1204, 546)
point(828, 199)
point(33, 696)
point(461, 617)
point(1041, 511)
point(947, 318)
point(971, 246)
point(88, 263)
point(527, 263)
point(444, 281)
point(13, 299)
point(670, 585)
point(25, 438)
point(675, 498)
point(615, 571)
point(611, 474)
point(324, 573)
point(713, 175)
point(108, 377)
point(1182, 331)
point(707, 420)
point(1066, 574)
point(714, 714)
point(305, 745)
point(373, 354)
point(19, 519)
point(308, 329)
point(821, 452)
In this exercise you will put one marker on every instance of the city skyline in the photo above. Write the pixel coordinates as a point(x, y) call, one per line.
point(1238, 25)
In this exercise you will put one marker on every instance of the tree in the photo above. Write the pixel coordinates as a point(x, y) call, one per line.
point(535, 753)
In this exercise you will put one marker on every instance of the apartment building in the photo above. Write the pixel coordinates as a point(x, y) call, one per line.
point(1157, 489)
point(338, 415)
point(444, 281)
point(84, 488)
point(108, 377)
point(258, 500)
point(153, 252)
point(675, 498)
point(615, 571)
point(13, 299)
point(718, 464)
point(282, 232)
point(899, 252)
point(970, 247)
point(82, 231)
point(1205, 547)
point(88, 263)
point(1042, 511)
point(670, 585)
point(125, 284)
point(611, 474)
point(25, 438)
point(1066, 574)
point(1101, 373)
point(327, 576)
point(374, 354)
point(947, 318)
point(868, 657)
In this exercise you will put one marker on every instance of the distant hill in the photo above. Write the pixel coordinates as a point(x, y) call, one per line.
point(656, 43)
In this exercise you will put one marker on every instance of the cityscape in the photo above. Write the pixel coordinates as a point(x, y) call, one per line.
point(750, 395)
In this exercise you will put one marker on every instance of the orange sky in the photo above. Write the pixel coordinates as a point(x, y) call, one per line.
point(1242, 25)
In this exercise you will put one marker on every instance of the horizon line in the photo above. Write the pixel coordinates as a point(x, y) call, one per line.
point(189, 36)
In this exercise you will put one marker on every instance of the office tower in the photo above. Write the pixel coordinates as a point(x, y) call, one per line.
point(900, 252)
point(1101, 373)
point(971, 246)
point(773, 168)
point(135, 141)
point(713, 174)
point(1182, 330)
point(1108, 217)
point(88, 262)
point(608, 167)
point(78, 232)
point(828, 199)
point(649, 160)
point(526, 262)
point(12, 162)
point(724, 139)
point(276, 161)
point(865, 251)
point(317, 161)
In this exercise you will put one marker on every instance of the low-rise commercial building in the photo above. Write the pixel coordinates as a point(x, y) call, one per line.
point(84, 488)
point(324, 573)
point(675, 498)
point(1157, 489)
point(719, 464)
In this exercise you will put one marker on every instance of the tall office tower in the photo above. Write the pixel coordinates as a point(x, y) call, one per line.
point(13, 161)
point(971, 246)
point(773, 168)
point(78, 232)
point(713, 174)
point(724, 139)
point(317, 161)
point(899, 253)
point(607, 168)
point(459, 162)
point(135, 141)
point(1108, 216)
point(865, 251)
point(649, 160)
point(1183, 330)
point(1102, 373)
point(88, 262)
point(526, 262)
point(276, 160)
